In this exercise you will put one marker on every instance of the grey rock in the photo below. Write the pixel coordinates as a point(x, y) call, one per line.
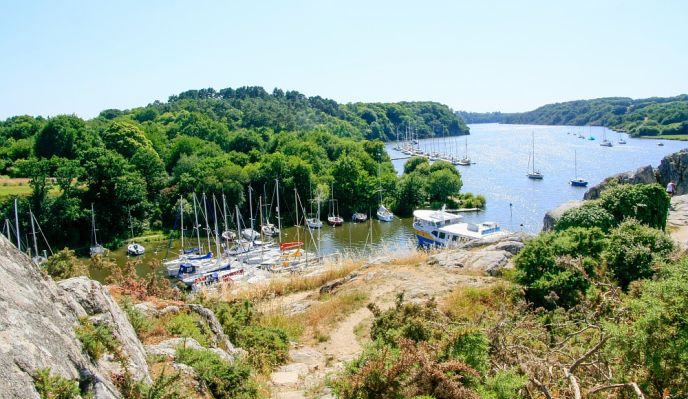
point(678, 211)
point(490, 261)
point(307, 355)
point(513, 247)
point(97, 302)
point(674, 168)
point(172, 309)
point(37, 320)
point(553, 215)
point(146, 308)
point(643, 175)
point(219, 338)
point(168, 347)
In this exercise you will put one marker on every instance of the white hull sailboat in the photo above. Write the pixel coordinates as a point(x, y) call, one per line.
point(534, 173)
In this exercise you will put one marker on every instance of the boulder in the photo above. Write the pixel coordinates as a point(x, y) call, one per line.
point(37, 320)
point(219, 338)
point(95, 299)
point(553, 215)
point(643, 175)
point(674, 168)
point(490, 261)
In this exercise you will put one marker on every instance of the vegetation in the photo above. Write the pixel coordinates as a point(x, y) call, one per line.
point(657, 116)
point(96, 339)
point(139, 162)
point(424, 184)
point(64, 265)
point(223, 380)
point(51, 386)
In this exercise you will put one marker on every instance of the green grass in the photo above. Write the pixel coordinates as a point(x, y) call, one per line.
point(679, 137)
point(18, 190)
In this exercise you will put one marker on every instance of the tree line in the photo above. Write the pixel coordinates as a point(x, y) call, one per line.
point(135, 165)
point(654, 116)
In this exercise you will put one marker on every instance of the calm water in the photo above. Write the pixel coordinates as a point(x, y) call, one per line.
point(501, 154)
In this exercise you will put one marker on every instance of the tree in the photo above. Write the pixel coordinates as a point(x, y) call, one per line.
point(412, 164)
point(63, 136)
point(588, 215)
point(442, 184)
point(125, 138)
point(411, 193)
point(646, 203)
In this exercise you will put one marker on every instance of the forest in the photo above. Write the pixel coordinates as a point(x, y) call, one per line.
point(133, 166)
point(654, 116)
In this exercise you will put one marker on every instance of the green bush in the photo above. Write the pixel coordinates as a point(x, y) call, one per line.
point(96, 339)
point(268, 347)
point(555, 268)
point(653, 339)
point(504, 384)
point(188, 325)
point(54, 386)
point(470, 346)
point(633, 251)
point(647, 203)
point(223, 380)
point(64, 265)
point(164, 386)
point(138, 320)
point(588, 215)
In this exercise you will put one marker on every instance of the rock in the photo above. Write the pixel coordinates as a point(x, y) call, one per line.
point(308, 356)
point(674, 168)
point(513, 247)
point(678, 211)
point(490, 261)
point(479, 243)
point(297, 307)
point(369, 276)
point(643, 175)
point(97, 302)
point(146, 308)
point(37, 320)
point(553, 215)
point(168, 347)
point(219, 337)
point(172, 309)
point(334, 284)
point(300, 368)
point(290, 395)
point(281, 378)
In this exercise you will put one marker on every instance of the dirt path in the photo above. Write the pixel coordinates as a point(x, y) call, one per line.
point(311, 364)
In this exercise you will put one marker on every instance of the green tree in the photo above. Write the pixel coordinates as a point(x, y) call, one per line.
point(126, 138)
point(62, 136)
point(588, 215)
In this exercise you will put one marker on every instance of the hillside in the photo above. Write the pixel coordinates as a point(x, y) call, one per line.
point(133, 165)
point(654, 116)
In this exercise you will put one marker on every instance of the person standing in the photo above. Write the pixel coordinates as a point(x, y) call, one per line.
point(671, 188)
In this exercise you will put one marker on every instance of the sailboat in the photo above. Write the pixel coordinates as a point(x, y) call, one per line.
point(577, 181)
point(383, 214)
point(269, 229)
point(314, 222)
point(37, 258)
point(333, 218)
point(533, 173)
point(134, 249)
point(96, 249)
point(465, 161)
point(605, 142)
point(621, 140)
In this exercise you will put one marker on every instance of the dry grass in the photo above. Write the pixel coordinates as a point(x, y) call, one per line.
point(283, 286)
point(319, 318)
point(412, 258)
point(471, 302)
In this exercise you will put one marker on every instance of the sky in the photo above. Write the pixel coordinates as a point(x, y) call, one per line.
point(80, 57)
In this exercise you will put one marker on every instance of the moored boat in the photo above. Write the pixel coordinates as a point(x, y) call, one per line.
point(359, 217)
point(441, 228)
point(384, 214)
point(135, 249)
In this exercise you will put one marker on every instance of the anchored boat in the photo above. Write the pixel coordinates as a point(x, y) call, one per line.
point(441, 228)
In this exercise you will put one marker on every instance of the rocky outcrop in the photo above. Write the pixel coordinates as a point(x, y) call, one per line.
point(644, 175)
point(37, 320)
point(490, 255)
point(674, 168)
point(102, 309)
point(553, 215)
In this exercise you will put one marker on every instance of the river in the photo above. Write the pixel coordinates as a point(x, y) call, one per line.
point(500, 154)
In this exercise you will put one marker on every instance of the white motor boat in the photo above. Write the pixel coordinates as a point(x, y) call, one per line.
point(442, 229)
point(135, 249)
point(270, 230)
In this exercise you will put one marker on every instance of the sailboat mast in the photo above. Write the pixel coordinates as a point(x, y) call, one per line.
point(181, 219)
point(224, 211)
point(207, 225)
point(16, 224)
point(533, 151)
point(33, 232)
point(296, 206)
point(250, 206)
point(197, 226)
point(217, 235)
point(93, 225)
point(279, 217)
point(575, 164)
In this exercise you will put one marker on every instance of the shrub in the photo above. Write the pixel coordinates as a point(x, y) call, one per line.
point(504, 384)
point(64, 265)
point(647, 203)
point(405, 320)
point(223, 380)
point(138, 320)
point(55, 386)
point(588, 215)
point(470, 346)
point(633, 251)
point(188, 325)
point(555, 267)
point(96, 339)
point(164, 386)
point(267, 346)
point(652, 341)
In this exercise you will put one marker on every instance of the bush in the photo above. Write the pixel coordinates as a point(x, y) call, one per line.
point(164, 386)
point(588, 215)
point(188, 325)
point(647, 203)
point(138, 320)
point(96, 339)
point(555, 267)
point(54, 386)
point(505, 384)
point(268, 347)
point(223, 380)
point(653, 339)
point(633, 251)
point(64, 265)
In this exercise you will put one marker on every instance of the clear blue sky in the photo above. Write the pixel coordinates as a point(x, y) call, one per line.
point(84, 56)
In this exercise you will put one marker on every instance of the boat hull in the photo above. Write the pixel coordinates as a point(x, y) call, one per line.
point(335, 221)
point(577, 183)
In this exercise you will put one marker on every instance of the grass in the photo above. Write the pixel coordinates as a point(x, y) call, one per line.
point(471, 302)
point(21, 188)
point(680, 137)
point(318, 319)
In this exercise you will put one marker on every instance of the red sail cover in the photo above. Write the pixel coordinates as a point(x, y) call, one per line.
point(290, 245)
